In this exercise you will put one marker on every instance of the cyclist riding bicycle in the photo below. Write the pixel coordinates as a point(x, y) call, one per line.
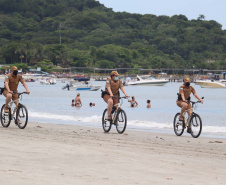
point(11, 84)
point(113, 84)
point(183, 99)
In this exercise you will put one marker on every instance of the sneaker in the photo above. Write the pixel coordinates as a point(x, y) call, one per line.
point(19, 122)
point(181, 122)
point(116, 123)
point(188, 130)
point(108, 119)
point(6, 109)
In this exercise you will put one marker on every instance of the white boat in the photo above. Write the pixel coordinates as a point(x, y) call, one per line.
point(48, 81)
point(147, 80)
point(211, 83)
point(85, 86)
point(206, 86)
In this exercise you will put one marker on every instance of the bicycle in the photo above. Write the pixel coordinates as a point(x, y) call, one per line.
point(118, 115)
point(194, 120)
point(20, 110)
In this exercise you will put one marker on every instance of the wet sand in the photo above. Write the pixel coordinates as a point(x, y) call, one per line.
point(49, 154)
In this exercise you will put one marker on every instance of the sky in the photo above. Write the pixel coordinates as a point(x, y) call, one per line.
point(211, 9)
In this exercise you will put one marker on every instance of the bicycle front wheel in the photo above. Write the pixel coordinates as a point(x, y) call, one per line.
point(121, 121)
point(105, 123)
point(21, 116)
point(5, 117)
point(196, 125)
point(178, 125)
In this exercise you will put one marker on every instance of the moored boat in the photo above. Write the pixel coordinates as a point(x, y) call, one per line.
point(147, 80)
point(48, 81)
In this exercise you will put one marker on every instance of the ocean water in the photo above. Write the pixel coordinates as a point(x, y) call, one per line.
point(51, 104)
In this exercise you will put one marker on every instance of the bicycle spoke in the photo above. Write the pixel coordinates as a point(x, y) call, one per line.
point(121, 121)
point(178, 125)
point(105, 123)
point(196, 125)
point(5, 117)
point(22, 117)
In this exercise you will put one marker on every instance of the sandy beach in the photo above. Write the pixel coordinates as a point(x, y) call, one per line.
point(49, 154)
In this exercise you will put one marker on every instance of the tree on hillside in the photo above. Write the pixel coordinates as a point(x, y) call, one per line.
point(201, 17)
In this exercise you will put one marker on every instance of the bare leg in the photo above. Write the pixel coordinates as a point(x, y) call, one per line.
point(8, 98)
point(110, 104)
point(184, 106)
point(189, 113)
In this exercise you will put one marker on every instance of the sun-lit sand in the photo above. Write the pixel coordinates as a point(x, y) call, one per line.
point(48, 154)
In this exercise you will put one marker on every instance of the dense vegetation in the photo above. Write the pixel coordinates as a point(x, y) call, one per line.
point(84, 33)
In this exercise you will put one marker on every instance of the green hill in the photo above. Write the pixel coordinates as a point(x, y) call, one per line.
point(84, 33)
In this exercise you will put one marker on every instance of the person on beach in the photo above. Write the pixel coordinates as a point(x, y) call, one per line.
point(148, 103)
point(78, 101)
point(73, 103)
point(11, 84)
point(133, 102)
point(113, 84)
point(183, 99)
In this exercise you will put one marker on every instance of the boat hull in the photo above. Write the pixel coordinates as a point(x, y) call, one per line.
point(212, 84)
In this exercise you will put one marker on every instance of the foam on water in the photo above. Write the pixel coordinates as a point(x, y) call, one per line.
point(49, 116)
point(96, 119)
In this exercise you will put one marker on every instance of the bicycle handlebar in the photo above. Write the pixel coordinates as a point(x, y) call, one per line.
point(15, 92)
point(194, 102)
point(120, 97)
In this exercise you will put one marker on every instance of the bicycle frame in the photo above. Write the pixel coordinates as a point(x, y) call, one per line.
point(117, 107)
point(189, 116)
point(17, 101)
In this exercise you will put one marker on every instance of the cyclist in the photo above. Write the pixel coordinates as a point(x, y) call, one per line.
point(113, 84)
point(11, 84)
point(184, 97)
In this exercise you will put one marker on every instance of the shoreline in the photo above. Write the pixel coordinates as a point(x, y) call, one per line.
point(129, 127)
point(70, 154)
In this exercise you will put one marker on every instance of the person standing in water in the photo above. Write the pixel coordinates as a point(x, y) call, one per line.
point(148, 103)
point(78, 101)
point(133, 102)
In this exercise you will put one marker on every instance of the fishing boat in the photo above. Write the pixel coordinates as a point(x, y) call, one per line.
point(146, 80)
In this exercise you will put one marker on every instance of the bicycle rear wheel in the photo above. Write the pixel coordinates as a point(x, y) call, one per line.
point(21, 116)
point(105, 123)
point(196, 125)
point(178, 125)
point(121, 121)
point(5, 117)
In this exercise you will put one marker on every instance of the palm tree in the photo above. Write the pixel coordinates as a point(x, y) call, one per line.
point(201, 17)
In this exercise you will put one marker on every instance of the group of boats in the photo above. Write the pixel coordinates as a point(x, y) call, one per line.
point(83, 82)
